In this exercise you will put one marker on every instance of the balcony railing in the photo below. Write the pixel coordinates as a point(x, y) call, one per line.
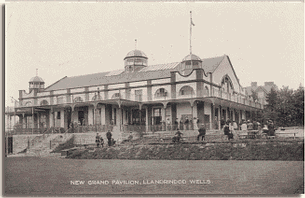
point(216, 93)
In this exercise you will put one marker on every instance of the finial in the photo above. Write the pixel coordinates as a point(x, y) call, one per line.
point(36, 71)
point(135, 44)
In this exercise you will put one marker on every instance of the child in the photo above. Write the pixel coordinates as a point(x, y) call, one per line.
point(102, 142)
point(97, 140)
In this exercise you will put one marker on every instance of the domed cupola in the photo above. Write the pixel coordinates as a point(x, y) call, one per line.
point(135, 60)
point(36, 83)
point(190, 62)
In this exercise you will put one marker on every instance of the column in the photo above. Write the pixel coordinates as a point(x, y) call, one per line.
point(192, 113)
point(146, 123)
point(233, 115)
point(103, 115)
point(219, 118)
point(140, 114)
point(32, 120)
point(94, 121)
point(120, 117)
point(212, 117)
point(164, 118)
point(23, 121)
point(195, 124)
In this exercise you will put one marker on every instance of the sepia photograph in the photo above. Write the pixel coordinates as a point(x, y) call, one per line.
point(153, 98)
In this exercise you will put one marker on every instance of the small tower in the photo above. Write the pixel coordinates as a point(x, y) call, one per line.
point(189, 63)
point(135, 60)
point(36, 83)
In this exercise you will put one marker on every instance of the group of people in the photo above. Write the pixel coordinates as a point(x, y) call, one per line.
point(201, 130)
point(185, 124)
point(100, 141)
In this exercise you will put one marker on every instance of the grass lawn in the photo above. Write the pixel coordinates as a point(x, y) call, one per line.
point(50, 176)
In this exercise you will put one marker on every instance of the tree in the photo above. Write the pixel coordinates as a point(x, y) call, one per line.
point(270, 108)
point(285, 107)
point(298, 103)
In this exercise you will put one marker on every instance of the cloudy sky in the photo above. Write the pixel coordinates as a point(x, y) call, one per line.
point(265, 41)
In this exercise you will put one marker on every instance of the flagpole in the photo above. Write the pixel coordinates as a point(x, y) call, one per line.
point(191, 32)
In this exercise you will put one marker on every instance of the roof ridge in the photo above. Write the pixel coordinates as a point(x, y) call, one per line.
point(215, 57)
point(91, 74)
point(164, 63)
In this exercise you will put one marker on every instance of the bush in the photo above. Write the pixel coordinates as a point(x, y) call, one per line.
point(253, 151)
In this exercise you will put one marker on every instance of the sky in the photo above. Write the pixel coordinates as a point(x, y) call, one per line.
point(264, 41)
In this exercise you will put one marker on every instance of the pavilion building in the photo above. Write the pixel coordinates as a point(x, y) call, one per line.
point(139, 97)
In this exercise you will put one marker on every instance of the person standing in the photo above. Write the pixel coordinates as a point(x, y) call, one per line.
point(244, 127)
point(271, 131)
point(109, 136)
point(97, 140)
point(186, 124)
point(181, 124)
point(226, 130)
point(222, 122)
point(176, 124)
point(202, 131)
point(235, 127)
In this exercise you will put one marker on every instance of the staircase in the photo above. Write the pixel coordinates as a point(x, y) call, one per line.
point(42, 146)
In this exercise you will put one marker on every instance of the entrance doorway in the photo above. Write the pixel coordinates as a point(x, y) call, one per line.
point(9, 144)
point(81, 117)
point(207, 121)
point(139, 117)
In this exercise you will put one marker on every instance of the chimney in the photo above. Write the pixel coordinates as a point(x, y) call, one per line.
point(269, 83)
point(253, 84)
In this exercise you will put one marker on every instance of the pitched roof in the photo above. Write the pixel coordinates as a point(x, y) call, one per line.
point(191, 57)
point(119, 76)
point(36, 79)
point(170, 66)
point(210, 64)
point(105, 78)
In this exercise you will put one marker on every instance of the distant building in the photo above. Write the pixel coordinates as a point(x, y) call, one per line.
point(261, 91)
point(140, 97)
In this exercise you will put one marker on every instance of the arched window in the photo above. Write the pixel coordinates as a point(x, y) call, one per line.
point(160, 93)
point(78, 99)
point(116, 95)
point(206, 91)
point(186, 90)
point(29, 103)
point(44, 102)
point(227, 84)
point(96, 97)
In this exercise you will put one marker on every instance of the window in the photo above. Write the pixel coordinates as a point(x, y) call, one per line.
point(58, 115)
point(78, 99)
point(186, 90)
point(114, 116)
point(44, 102)
point(28, 103)
point(29, 122)
point(260, 95)
point(60, 100)
point(116, 95)
point(157, 112)
point(138, 95)
point(161, 93)
point(96, 97)
point(206, 91)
